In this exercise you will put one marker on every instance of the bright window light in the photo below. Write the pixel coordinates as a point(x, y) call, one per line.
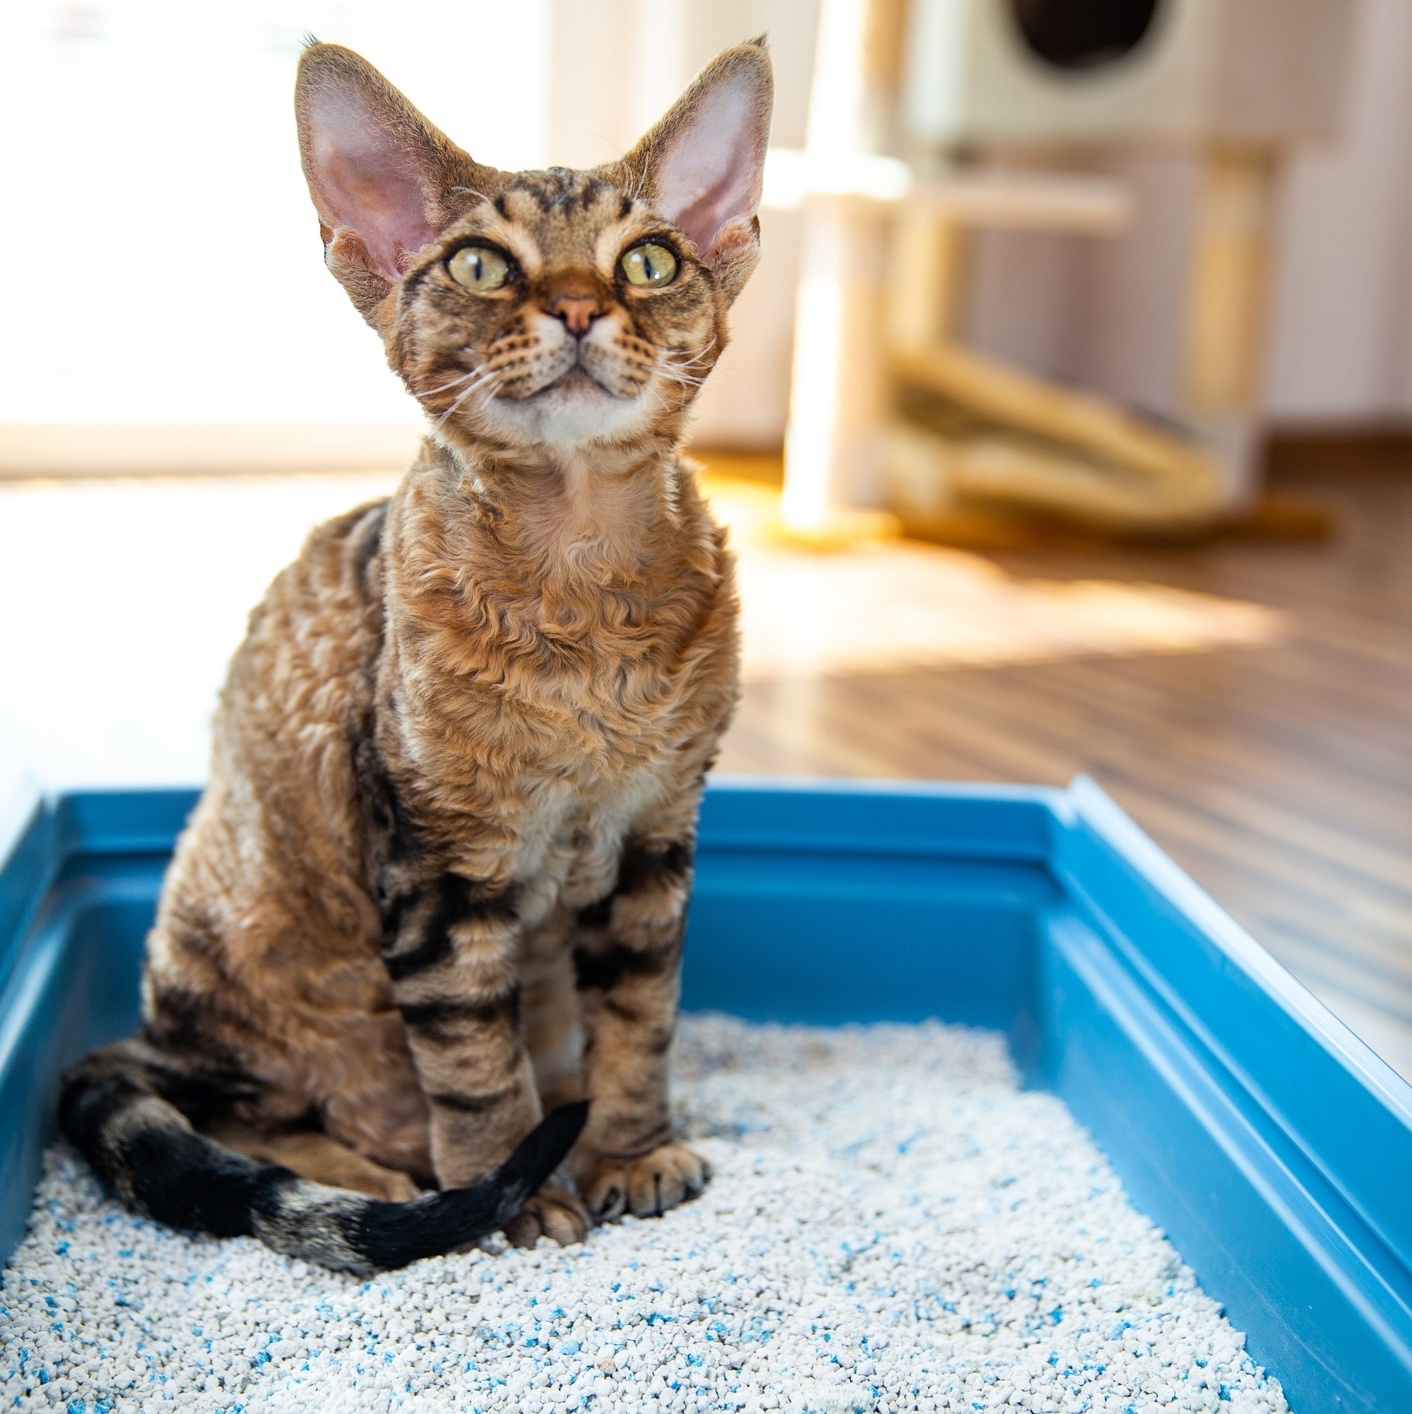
point(164, 256)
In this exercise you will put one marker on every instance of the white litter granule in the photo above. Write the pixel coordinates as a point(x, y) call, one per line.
point(893, 1225)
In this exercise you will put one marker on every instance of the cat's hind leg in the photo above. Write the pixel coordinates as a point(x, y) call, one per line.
point(318, 1156)
point(553, 1021)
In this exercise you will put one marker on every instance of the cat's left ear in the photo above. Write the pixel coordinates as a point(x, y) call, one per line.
point(703, 165)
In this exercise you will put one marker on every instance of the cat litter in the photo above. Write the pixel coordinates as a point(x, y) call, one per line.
point(893, 1225)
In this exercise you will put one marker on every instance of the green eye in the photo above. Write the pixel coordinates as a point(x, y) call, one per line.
point(479, 268)
point(649, 266)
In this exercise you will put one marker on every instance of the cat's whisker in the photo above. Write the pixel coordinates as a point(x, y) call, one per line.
point(670, 354)
point(683, 382)
point(487, 375)
point(676, 373)
point(683, 368)
point(667, 364)
point(454, 383)
point(456, 404)
point(676, 367)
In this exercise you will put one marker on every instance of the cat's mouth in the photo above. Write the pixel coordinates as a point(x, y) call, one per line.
point(538, 362)
point(591, 389)
point(576, 382)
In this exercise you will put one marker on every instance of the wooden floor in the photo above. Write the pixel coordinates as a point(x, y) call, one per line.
point(1279, 776)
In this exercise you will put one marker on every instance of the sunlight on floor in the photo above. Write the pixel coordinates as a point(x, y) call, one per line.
point(125, 597)
point(123, 601)
point(887, 605)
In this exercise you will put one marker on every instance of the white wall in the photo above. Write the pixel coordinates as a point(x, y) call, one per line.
point(1343, 293)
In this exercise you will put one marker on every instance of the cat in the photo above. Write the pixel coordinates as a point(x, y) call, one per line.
point(437, 882)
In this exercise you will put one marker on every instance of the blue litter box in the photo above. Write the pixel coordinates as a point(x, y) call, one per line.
point(1270, 1143)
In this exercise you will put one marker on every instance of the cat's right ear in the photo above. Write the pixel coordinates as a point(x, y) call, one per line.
point(377, 170)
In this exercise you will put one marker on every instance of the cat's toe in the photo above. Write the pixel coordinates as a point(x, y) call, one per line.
point(645, 1186)
point(552, 1212)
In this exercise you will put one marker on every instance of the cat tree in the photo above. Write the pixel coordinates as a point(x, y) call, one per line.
point(887, 402)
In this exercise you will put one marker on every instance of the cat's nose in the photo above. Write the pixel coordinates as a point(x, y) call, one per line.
point(577, 311)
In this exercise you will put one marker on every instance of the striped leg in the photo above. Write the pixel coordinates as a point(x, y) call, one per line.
point(452, 958)
point(628, 961)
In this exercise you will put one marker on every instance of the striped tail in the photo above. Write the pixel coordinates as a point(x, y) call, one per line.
point(145, 1149)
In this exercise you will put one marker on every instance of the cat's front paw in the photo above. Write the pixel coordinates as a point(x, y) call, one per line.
point(646, 1186)
point(552, 1212)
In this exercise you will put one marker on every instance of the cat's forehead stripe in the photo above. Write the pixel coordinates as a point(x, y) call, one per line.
point(559, 192)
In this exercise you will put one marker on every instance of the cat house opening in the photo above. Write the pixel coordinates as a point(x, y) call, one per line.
point(1083, 34)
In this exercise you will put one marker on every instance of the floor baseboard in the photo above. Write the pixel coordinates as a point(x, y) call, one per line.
point(40, 449)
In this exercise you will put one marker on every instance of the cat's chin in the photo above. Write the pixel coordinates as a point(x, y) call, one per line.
point(573, 408)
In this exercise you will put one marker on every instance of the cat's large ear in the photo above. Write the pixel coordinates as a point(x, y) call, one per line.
point(377, 170)
point(703, 165)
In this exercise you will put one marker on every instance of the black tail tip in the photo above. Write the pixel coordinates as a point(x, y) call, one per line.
point(574, 1113)
point(546, 1146)
point(564, 1124)
point(390, 1235)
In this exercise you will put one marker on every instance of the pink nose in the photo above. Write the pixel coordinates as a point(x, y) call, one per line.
point(577, 311)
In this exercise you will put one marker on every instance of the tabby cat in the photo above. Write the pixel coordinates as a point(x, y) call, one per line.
point(436, 885)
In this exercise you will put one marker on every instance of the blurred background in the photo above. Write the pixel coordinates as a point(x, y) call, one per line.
point(1067, 424)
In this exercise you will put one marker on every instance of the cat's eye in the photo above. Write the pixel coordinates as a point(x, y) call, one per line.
point(649, 266)
point(479, 268)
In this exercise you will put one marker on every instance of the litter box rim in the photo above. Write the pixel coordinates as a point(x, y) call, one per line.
point(1273, 1146)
